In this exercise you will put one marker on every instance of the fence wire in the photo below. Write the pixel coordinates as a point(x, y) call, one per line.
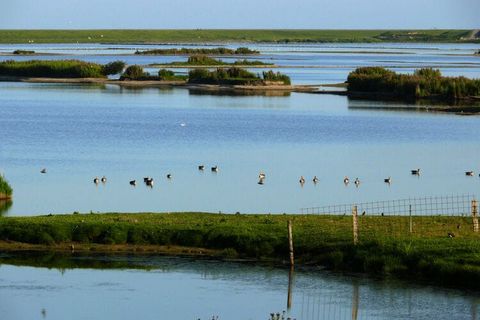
point(451, 205)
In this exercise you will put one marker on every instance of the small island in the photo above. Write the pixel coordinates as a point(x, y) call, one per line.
point(426, 83)
point(5, 189)
point(202, 61)
point(75, 71)
point(203, 51)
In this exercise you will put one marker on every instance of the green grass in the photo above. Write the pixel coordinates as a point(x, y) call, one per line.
point(59, 68)
point(235, 76)
point(230, 35)
point(5, 188)
point(385, 247)
point(202, 60)
point(201, 51)
point(424, 83)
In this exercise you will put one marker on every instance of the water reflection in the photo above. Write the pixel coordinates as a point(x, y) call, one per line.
point(238, 92)
point(5, 206)
point(210, 287)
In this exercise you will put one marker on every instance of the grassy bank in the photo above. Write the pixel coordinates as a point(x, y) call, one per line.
point(6, 190)
point(199, 51)
point(385, 248)
point(59, 69)
point(232, 35)
point(424, 83)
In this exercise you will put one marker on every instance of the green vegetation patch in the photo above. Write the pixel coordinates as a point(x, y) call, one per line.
point(5, 188)
point(386, 247)
point(424, 83)
point(232, 35)
point(202, 60)
point(59, 69)
point(136, 72)
point(235, 76)
point(202, 51)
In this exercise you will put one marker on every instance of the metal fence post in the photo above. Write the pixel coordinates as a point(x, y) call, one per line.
point(475, 215)
point(410, 213)
point(355, 225)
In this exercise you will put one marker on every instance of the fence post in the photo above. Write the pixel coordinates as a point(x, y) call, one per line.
point(355, 224)
point(410, 213)
point(475, 215)
point(290, 242)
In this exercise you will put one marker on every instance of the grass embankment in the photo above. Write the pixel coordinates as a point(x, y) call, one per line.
point(59, 69)
point(231, 35)
point(199, 51)
point(205, 61)
point(6, 190)
point(385, 246)
point(424, 83)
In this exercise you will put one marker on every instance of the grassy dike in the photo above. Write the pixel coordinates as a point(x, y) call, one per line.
point(385, 247)
point(233, 35)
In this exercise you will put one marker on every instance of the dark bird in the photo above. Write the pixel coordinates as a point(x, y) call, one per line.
point(133, 182)
point(215, 169)
point(357, 182)
point(364, 212)
point(104, 179)
point(96, 180)
point(415, 172)
point(302, 180)
point(346, 180)
point(44, 170)
point(169, 176)
point(315, 179)
point(145, 179)
point(149, 182)
point(387, 180)
point(458, 226)
point(469, 173)
point(201, 167)
point(451, 235)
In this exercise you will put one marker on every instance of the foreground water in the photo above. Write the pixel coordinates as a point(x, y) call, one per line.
point(78, 132)
point(173, 288)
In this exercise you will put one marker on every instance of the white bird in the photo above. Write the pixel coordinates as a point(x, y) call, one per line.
point(104, 179)
point(346, 180)
point(96, 180)
point(302, 180)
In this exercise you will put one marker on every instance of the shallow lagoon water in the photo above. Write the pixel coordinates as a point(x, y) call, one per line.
point(174, 288)
point(79, 131)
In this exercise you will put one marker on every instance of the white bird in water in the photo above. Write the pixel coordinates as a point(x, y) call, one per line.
point(183, 124)
point(104, 179)
point(96, 180)
point(302, 180)
point(346, 180)
point(261, 175)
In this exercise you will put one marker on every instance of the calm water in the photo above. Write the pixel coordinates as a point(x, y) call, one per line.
point(79, 132)
point(188, 289)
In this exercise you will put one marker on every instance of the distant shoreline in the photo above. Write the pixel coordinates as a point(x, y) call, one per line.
point(208, 36)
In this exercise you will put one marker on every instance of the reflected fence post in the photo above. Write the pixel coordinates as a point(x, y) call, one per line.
point(355, 299)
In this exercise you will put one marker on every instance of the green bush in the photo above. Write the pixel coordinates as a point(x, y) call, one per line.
point(423, 83)
point(276, 76)
point(114, 67)
point(53, 68)
point(23, 52)
point(5, 188)
point(134, 72)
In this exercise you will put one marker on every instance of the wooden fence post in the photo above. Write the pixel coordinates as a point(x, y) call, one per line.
point(290, 242)
point(355, 224)
point(410, 220)
point(475, 215)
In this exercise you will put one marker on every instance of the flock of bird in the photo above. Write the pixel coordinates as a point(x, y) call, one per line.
point(261, 177)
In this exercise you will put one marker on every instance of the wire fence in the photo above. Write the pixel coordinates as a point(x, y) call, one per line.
point(452, 205)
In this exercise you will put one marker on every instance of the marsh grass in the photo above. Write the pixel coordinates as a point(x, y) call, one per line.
point(199, 51)
point(52, 69)
point(385, 248)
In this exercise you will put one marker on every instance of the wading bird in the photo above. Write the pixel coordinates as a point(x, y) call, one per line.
point(95, 180)
point(215, 169)
point(315, 179)
point(133, 183)
point(415, 172)
point(346, 181)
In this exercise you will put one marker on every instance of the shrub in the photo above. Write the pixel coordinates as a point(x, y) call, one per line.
point(133, 72)
point(114, 67)
point(23, 52)
point(5, 188)
point(276, 76)
point(425, 82)
point(54, 69)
